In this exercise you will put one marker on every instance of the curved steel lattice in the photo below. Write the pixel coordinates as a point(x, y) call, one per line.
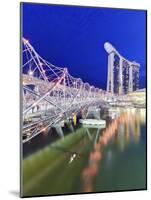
point(50, 93)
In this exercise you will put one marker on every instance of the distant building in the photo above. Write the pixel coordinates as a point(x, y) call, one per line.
point(123, 75)
point(138, 97)
point(135, 75)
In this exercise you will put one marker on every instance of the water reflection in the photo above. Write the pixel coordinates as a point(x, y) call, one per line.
point(123, 130)
point(90, 159)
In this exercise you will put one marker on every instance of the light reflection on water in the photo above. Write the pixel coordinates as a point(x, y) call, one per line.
point(114, 159)
point(124, 130)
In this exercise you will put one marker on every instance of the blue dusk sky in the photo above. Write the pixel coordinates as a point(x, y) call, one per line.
point(74, 37)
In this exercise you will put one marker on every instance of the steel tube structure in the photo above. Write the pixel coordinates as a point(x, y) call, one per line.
point(50, 93)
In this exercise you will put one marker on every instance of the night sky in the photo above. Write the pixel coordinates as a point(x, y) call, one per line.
point(74, 37)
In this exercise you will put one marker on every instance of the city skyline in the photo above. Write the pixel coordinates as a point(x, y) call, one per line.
point(78, 43)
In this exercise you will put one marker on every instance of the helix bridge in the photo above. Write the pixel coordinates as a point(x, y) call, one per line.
point(51, 94)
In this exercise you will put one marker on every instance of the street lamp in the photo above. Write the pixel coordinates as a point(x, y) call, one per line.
point(30, 72)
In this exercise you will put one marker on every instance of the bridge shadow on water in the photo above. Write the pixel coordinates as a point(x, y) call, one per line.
point(44, 139)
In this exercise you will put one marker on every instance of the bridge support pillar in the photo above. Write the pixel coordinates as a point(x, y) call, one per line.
point(59, 131)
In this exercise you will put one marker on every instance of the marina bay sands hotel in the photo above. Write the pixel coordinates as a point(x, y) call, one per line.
point(123, 75)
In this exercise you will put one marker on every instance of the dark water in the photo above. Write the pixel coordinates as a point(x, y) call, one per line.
point(91, 160)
